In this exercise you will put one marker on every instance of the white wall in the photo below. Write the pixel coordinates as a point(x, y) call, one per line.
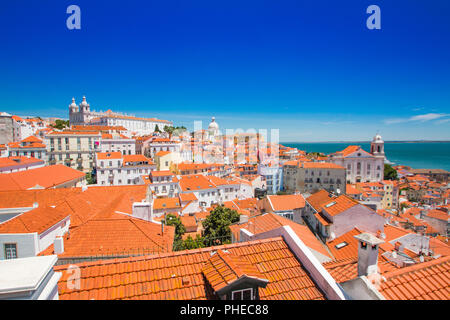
point(27, 244)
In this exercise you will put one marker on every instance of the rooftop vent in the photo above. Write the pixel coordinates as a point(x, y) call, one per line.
point(330, 204)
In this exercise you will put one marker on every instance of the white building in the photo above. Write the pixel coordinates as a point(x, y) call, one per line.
point(30, 233)
point(162, 183)
point(29, 147)
point(114, 168)
point(211, 190)
point(273, 176)
point(82, 114)
point(29, 279)
point(155, 145)
point(23, 128)
point(361, 165)
point(116, 142)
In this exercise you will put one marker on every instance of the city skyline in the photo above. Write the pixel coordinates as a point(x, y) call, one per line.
point(314, 71)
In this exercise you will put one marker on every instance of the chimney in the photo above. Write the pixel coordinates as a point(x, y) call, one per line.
point(243, 218)
point(59, 245)
point(142, 210)
point(367, 253)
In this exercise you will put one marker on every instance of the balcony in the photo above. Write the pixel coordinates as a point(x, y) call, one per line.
point(79, 160)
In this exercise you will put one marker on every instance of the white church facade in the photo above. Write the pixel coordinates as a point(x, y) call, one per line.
point(82, 115)
point(361, 165)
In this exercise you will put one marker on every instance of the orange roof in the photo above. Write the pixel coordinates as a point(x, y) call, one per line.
point(270, 221)
point(109, 155)
point(187, 197)
point(347, 245)
point(18, 160)
point(178, 275)
point(320, 165)
point(347, 269)
point(162, 153)
point(136, 158)
point(339, 205)
point(166, 203)
point(195, 182)
point(188, 221)
point(36, 220)
point(26, 198)
point(438, 214)
point(32, 139)
point(224, 268)
point(317, 199)
point(286, 202)
point(393, 232)
point(119, 236)
point(45, 177)
point(351, 149)
point(350, 189)
point(79, 133)
point(162, 173)
point(423, 281)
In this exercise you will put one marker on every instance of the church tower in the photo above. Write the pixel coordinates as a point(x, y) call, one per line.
point(377, 146)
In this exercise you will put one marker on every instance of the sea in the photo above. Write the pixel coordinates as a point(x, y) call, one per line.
point(417, 155)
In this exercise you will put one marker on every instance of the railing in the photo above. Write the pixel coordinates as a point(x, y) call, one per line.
point(136, 252)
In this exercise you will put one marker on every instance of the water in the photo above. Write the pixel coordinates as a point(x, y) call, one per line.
point(426, 155)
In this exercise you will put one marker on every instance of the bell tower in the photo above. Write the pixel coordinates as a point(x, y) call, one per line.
point(377, 146)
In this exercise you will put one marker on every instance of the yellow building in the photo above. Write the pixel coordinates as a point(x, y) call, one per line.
point(166, 160)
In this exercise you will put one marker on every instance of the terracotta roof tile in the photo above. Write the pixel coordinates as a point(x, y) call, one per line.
point(147, 279)
point(46, 177)
point(432, 281)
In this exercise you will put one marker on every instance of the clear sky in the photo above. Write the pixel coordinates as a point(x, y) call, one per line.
point(309, 68)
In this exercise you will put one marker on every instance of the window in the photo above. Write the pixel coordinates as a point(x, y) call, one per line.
point(10, 250)
point(246, 294)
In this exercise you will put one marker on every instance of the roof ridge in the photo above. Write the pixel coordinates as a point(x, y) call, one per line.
point(416, 267)
point(173, 253)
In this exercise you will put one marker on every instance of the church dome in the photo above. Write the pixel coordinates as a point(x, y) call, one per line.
point(377, 138)
point(213, 125)
point(84, 103)
point(73, 105)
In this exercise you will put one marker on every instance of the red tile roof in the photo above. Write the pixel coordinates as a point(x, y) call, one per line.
point(166, 203)
point(316, 200)
point(348, 250)
point(224, 268)
point(178, 275)
point(46, 177)
point(270, 221)
point(347, 269)
point(109, 155)
point(286, 202)
point(339, 205)
point(423, 281)
point(18, 160)
point(119, 236)
point(36, 220)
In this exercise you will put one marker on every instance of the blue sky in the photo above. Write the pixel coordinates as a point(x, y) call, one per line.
point(309, 68)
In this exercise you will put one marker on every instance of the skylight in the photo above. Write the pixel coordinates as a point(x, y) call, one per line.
point(330, 204)
point(341, 245)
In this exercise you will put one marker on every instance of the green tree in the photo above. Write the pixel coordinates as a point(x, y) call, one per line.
point(389, 172)
point(173, 220)
point(90, 178)
point(403, 206)
point(157, 129)
point(189, 243)
point(217, 225)
point(61, 124)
